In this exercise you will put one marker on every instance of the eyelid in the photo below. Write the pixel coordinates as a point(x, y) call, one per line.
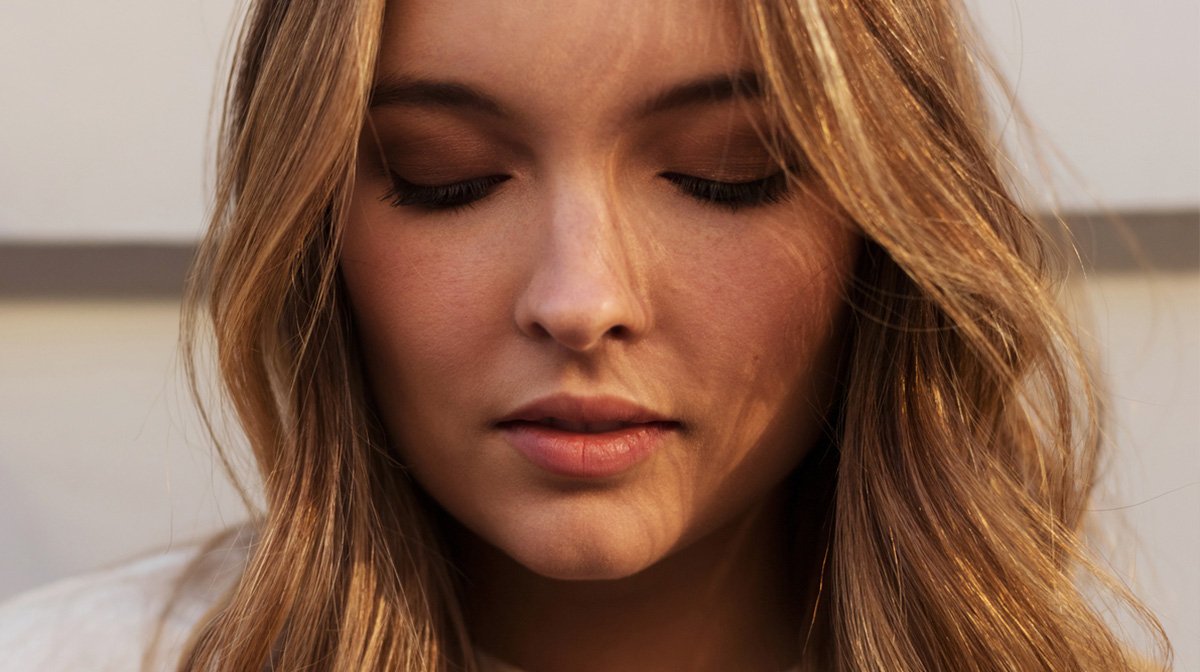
point(733, 196)
point(725, 167)
point(440, 197)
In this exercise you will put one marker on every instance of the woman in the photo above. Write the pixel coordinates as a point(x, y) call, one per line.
point(640, 336)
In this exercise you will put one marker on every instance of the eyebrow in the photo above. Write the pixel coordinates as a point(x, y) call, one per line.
point(392, 91)
point(705, 90)
point(420, 92)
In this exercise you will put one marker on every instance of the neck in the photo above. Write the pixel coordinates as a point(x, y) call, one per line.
point(735, 599)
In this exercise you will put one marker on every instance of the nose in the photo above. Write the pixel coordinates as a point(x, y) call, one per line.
point(583, 289)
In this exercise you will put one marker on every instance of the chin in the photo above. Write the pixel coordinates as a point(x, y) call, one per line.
point(577, 564)
point(582, 552)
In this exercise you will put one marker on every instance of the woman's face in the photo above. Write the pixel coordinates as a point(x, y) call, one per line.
point(595, 321)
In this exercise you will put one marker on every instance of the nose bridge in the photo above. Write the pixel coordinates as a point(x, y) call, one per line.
point(583, 287)
point(583, 229)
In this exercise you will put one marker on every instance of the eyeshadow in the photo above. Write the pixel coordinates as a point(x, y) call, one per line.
point(433, 153)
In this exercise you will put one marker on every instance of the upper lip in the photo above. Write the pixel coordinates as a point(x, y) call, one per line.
point(584, 410)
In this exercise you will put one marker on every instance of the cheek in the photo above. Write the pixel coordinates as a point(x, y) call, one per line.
point(426, 307)
point(763, 305)
point(763, 314)
point(403, 317)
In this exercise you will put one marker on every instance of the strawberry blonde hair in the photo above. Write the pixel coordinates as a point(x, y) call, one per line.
point(965, 442)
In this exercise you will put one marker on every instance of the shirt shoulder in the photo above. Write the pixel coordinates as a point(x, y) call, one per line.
point(108, 619)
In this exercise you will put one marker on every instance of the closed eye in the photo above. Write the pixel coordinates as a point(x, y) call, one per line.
point(732, 195)
point(441, 196)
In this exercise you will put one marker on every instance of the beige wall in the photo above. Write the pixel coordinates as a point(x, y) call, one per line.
point(101, 456)
point(1147, 332)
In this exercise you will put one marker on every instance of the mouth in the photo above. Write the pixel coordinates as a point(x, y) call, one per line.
point(584, 415)
point(579, 427)
point(586, 437)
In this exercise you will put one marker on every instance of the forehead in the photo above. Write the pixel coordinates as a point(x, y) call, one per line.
point(561, 57)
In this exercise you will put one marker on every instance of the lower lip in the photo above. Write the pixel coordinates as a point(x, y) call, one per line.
point(581, 455)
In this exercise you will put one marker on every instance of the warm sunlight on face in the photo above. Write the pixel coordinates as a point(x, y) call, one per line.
point(597, 322)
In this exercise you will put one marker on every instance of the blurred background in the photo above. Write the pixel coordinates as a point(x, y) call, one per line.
point(104, 128)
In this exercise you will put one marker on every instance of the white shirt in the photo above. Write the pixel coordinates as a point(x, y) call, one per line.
point(105, 620)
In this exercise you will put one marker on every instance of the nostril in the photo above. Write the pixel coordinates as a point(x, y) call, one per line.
point(620, 332)
point(578, 315)
point(578, 332)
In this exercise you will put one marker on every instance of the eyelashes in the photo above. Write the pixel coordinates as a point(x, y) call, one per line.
point(456, 195)
point(440, 196)
point(732, 195)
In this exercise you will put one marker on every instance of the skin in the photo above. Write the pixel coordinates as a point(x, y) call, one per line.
point(588, 272)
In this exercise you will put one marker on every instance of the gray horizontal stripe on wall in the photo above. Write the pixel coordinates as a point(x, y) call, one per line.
point(99, 270)
point(1165, 242)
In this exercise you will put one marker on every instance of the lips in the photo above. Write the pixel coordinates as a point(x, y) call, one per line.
point(571, 411)
point(585, 437)
point(580, 427)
